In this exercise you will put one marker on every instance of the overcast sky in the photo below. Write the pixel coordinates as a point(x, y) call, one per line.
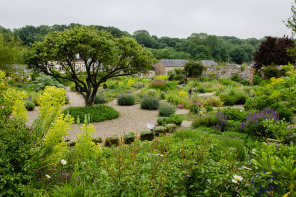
point(240, 18)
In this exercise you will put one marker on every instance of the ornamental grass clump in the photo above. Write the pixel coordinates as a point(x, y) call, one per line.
point(126, 100)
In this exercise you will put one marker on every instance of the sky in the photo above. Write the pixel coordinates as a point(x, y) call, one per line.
point(172, 18)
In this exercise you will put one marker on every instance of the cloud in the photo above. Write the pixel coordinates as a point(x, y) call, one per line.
point(243, 19)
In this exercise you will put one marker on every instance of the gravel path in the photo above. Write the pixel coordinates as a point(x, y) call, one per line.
point(131, 118)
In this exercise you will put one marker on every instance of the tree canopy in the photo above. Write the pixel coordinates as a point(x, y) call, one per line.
point(274, 51)
point(103, 55)
point(10, 51)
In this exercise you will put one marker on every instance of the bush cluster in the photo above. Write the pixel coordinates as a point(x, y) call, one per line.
point(166, 110)
point(150, 103)
point(126, 100)
point(96, 113)
point(29, 105)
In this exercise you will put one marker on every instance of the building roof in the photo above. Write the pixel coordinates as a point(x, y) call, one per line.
point(209, 63)
point(174, 63)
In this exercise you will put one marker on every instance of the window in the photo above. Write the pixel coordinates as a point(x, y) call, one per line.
point(77, 67)
point(83, 68)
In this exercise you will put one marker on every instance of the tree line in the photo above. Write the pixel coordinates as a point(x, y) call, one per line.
point(198, 46)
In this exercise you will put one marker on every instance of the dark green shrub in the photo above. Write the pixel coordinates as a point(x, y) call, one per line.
point(257, 80)
point(162, 121)
point(166, 110)
point(146, 135)
point(159, 130)
point(246, 83)
point(209, 120)
point(29, 105)
point(97, 140)
point(126, 100)
point(193, 69)
point(162, 96)
point(271, 71)
point(171, 128)
point(96, 113)
point(129, 138)
point(150, 103)
point(201, 90)
point(236, 77)
point(113, 140)
point(234, 114)
point(209, 108)
point(100, 99)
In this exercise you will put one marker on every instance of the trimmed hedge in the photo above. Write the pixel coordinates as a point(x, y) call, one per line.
point(96, 113)
point(146, 135)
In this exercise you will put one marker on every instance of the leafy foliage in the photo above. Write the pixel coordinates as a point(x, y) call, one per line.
point(41, 82)
point(116, 57)
point(193, 69)
point(274, 51)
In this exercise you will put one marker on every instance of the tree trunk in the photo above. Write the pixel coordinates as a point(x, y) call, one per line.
point(90, 96)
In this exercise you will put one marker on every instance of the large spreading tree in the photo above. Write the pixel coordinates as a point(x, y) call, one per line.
point(104, 57)
point(274, 51)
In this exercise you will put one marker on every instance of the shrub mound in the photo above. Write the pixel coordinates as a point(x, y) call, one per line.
point(29, 105)
point(126, 100)
point(96, 113)
point(150, 103)
point(166, 110)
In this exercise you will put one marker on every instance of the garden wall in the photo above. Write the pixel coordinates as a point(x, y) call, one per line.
point(228, 72)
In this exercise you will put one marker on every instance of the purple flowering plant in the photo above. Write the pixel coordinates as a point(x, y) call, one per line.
point(254, 122)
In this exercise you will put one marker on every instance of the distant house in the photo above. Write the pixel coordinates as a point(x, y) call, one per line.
point(163, 66)
point(150, 73)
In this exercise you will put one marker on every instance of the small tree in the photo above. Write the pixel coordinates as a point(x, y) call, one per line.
point(274, 51)
point(104, 57)
point(193, 69)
